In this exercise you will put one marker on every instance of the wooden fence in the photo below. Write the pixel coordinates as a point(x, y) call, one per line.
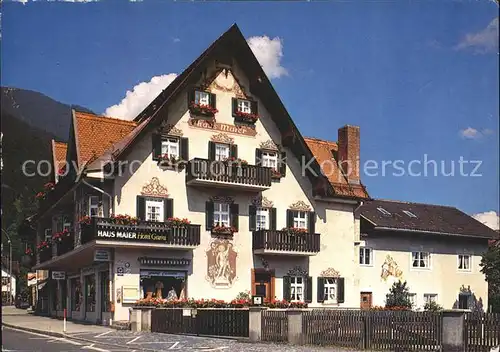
point(274, 325)
point(482, 331)
point(203, 321)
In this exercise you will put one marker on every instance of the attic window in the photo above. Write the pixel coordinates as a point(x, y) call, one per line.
point(383, 211)
point(409, 213)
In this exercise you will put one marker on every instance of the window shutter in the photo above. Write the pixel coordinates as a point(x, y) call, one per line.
point(141, 208)
point(311, 217)
point(211, 150)
point(235, 105)
point(258, 157)
point(209, 215)
point(308, 289)
point(234, 151)
point(190, 97)
point(321, 289)
point(234, 209)
point(184, 146)
point(213, 100)
point(340, 290)
point(156, 141)
point(272, 219)
point(282, 165)
point(286, 288)
point(289, 218)
point(255, 108)
point(168, 205)
point(252, 218)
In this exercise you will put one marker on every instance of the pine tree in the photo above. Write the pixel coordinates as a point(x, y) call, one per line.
point(399, 296)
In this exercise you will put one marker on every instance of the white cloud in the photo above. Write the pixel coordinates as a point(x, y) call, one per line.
point(269, 53)
point(140, 97)
point(472, 133)
point(489, 218)
point(176, 40)
point(482, 42)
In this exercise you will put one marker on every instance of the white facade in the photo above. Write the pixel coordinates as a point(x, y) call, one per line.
point(5, 283)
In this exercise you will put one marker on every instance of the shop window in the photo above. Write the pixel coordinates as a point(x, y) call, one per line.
point(90, 293)
point(105, 298)
point(76, 294)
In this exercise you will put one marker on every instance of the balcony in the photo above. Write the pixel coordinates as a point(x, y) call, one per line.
point(204, 172)
point(145, 233)
point(285, 243)
point(45, 254)
point(65, 245)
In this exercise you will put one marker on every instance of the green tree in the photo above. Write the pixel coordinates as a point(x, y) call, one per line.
point(399, 296)
point(490, 267)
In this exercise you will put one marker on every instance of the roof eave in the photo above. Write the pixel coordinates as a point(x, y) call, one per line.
point(396, 229)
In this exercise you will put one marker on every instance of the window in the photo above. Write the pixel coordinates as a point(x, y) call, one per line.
point(262, 217)
point(221, 151)
point(330, 290)
point(170, 146)
point(221, 214)
point(464, 262)
point(297, 288)
point(154, 210)
point(244, 106)
point(202, 98)
point(413, 299)
point(365, 256)
point(67, 226)
point(383, 211)
point(409, 213)
point(420, 260)
point(430, 297)
point(94, 206)
point(300, 219)
point(47, 235)
point(270, 160)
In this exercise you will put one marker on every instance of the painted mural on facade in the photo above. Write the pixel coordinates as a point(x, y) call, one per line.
point(221, 263)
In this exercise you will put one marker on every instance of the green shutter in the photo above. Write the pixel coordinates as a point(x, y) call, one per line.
point(156, 145)
point(141, 208)
point(311, 217)
point(234, 208)
point(184, 149)
point(289, 218)
point(340, 290)
point(252, 218)
point(234, 151)
point(211, 150)
point(213, 101)
point(320, 290)
point(209, 215)
point(168, 208)
point(282, 163)
point(286, 288)
point(258, 157)
point(255, 108)
point(308, 289)
point(272, 219)
point(234, 102)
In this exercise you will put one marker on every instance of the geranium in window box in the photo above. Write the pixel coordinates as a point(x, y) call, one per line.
point(232, 160)
point(168, 160)
point(275, 174)
point(223, 230)
point(43, 246)
point(202, 109)
point(295, 231)
point(246, 117)
point(28, 251)
point(120, 219)
point(61, 236)
point(40, 195)
point(178, 222)
point(49, 186)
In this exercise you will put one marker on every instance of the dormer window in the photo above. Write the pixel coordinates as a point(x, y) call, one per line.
point(244, 106)
point(409, 213)
point(201, 98)
point(383, 211)
point(201, 103)
point(170, 147)
point(245, 110)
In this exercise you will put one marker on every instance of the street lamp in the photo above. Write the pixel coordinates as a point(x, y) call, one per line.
point(10, 265)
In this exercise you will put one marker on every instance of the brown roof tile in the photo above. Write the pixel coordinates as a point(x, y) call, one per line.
point(59, 151)
point(324, 152)
point(95, 134)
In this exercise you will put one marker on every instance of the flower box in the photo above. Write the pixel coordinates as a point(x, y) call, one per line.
point(168, 160)
point(202, 110)
point(214, 303)
point(61, 236)
point(246, 117)
point(232, 160)
point(178, 222)
point(275, 175)
point(223, 230)
point(120, 219)
point(49, 186)
point(40, 195)
point(43, 246)
point(295, 231)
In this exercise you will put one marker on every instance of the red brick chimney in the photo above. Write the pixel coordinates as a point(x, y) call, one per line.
point(348, 152)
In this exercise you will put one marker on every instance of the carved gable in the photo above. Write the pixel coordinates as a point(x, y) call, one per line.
point(154, 189)
point(300, 206)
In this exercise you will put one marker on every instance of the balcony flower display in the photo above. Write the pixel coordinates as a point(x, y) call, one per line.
point(214, 303)
point(202, 109)
point(40, 195)
point(44, 245)
point(169, 160)
point(246, 117)
point(178, 222)
point(49, 186)
point(61, 236)
point(275, 174)
point(295, 230)
point(285, 304)
point(28, 251)
point(223, 230)
point(233, 160)
point(120, 219)
point(85, 220)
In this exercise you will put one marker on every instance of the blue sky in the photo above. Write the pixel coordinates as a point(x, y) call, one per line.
point(418, 78)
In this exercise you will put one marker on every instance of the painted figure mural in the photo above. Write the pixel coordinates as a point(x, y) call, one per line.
point(390, 268)
point(221, 263)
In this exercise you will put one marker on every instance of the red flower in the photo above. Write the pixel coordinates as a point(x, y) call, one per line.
point(202, 109)
point(40, 195)
point(49, 186)
point(249, 117)
point(223, 229)
point(178, 221)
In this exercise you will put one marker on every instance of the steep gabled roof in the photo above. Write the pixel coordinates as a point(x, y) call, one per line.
point(59, 150)
point(95, 134)
point(428, 218)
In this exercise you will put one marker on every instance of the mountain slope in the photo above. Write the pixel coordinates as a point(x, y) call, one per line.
point(38, 110)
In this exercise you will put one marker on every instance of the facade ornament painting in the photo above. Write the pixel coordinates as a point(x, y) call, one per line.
point(169, 129)
point(300, 206)
point(154, 189)
point(262, 202)
point(390, 268)
point(222, 138)
point(269, 145)
point(330, 273)
point(229, 84)
point(222, 199)
point(298, 271)
point(221, 263)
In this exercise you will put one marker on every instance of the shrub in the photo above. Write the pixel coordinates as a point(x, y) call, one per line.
point(432, 307)
point(399, 296)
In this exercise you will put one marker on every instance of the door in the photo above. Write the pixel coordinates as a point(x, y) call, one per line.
point(263, 283)
point(366, 300)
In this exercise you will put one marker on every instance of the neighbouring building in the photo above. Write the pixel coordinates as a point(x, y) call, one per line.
point(435, 249)
point(8, 285)
point(229, 195)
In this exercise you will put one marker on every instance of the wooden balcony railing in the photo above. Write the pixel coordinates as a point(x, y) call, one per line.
point(232, 173)
point(284, 241)
point(144, 231)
